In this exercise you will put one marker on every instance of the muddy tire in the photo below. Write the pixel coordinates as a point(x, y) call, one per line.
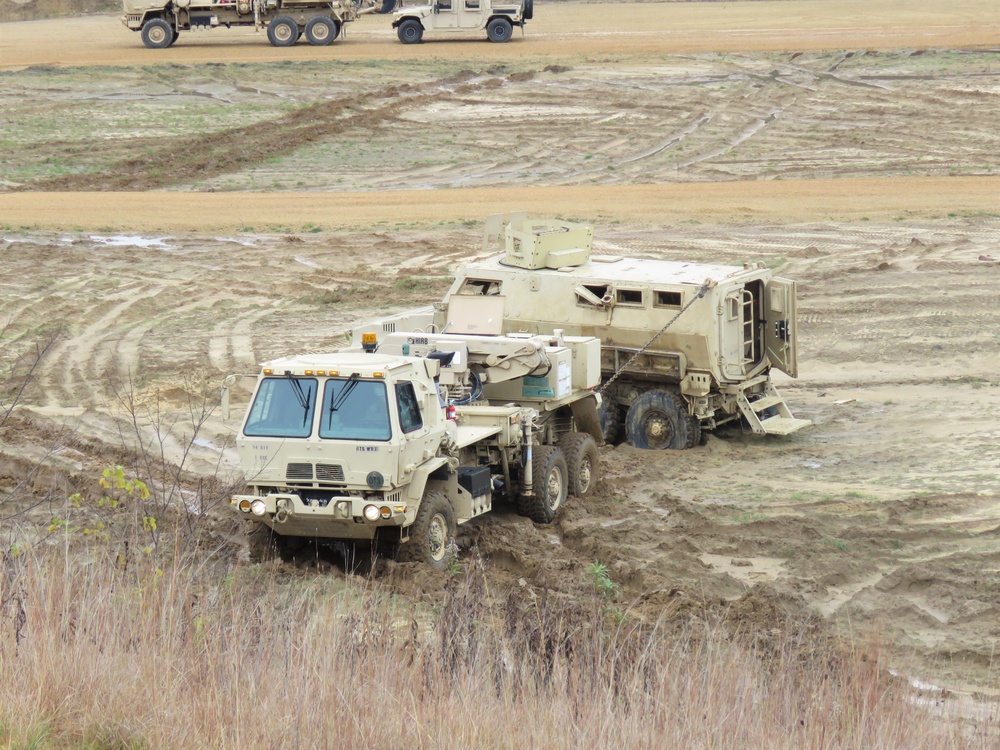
point(283, 31)
point(321, 31)
point(694, 432)
point(582, 462)
point(499, 30)
point(432, 536)
point(410, 31)
point(609, 414)
point(157, 33)
point(658, 420)
point(550, 481)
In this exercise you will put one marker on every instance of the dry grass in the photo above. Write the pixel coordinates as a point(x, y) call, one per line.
point(96, 653)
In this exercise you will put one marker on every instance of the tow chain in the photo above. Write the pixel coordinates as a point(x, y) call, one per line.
point(702, 290)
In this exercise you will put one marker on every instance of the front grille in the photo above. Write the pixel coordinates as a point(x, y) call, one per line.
point(299, 471)
point(329, 473)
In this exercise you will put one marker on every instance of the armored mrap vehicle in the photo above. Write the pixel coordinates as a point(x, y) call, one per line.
point(387, 447)
point(685, 347)
point(159, 22)
point(497, 17)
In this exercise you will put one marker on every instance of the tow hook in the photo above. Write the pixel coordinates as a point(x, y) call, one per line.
point(282, 511)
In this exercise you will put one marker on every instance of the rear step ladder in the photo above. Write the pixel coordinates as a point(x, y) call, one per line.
point(768, 414)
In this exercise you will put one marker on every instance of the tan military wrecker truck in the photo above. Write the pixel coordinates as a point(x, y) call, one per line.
point(387, 447)
point(685, 347)
point(497, 17)
point(159, 22)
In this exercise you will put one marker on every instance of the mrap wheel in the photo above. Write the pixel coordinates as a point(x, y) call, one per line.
point(658, 420)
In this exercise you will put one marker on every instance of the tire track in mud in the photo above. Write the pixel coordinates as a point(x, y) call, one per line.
point(184, 158)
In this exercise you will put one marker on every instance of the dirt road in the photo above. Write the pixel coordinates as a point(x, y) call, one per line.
point(878, 199)
point(624, 30)
point(167, 222)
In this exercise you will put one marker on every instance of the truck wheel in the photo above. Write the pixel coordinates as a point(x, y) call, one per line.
point(694, 432)
point(499, 30)
point(283, 31)
point(432, 536)
point(529, 10)
point(387, 6)
point(410, 31)
point(609, 414)
point(157, 33)
point(582, 462)
point(549, 478)
point(658, 420)
point(320, 31)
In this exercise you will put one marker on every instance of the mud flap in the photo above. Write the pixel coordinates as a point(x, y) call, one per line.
point(585, 415)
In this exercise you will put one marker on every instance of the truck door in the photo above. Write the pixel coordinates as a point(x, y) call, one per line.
point(412, 425)
point(471, 15)
point(731, 334)
point(779, 326)
point(445, 14)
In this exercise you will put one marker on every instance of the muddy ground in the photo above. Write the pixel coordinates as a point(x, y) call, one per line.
point(885, 514)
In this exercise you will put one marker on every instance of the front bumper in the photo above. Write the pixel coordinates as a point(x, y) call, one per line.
point(342, 518)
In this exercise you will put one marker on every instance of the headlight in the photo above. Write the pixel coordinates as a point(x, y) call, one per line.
point(371, 512)
point(244, 505)
point(385, 511)
point(258, 508)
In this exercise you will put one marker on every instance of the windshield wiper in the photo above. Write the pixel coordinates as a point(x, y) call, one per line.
point(300, 395)
point(349, 386)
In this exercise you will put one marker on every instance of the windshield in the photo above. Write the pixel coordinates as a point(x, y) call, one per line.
point(354, 410)
point(283, 407)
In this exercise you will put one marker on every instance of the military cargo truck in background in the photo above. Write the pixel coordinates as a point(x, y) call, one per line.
point(685, 347)
point(387, 447)
point(159, 22)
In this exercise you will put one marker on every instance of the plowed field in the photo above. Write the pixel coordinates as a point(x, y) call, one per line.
point(170, 217)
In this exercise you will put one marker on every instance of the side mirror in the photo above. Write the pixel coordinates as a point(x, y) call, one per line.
point(226, 383)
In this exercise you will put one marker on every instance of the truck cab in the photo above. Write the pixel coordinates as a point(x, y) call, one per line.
point(497, 17)
point(328, 436)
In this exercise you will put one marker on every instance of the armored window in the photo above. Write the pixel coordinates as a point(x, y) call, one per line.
point(282, 407)
point(629, 296)
point(444, 4)
point(593, 295)
point(734, 308)
point(667, 299)
point(472, 4)
point(409, 409)
point(481, 287)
